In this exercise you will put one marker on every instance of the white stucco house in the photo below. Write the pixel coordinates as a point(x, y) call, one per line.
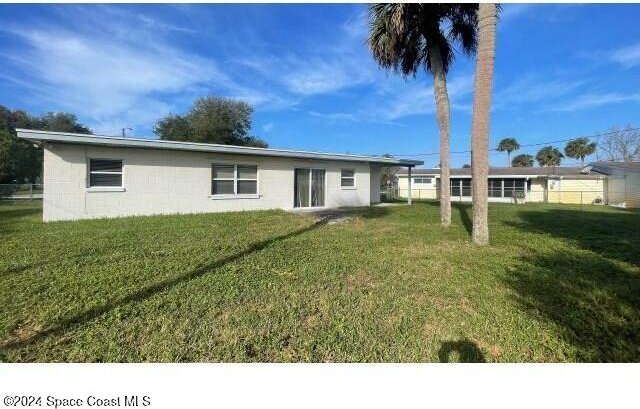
point(88, 176)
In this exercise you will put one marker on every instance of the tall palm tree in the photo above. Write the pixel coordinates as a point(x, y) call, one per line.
point(579, 149)
point(406, 37)
point(487, 20)
point(508, 145)
point(549, 156)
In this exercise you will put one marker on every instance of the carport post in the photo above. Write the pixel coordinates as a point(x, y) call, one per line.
point(409, 181)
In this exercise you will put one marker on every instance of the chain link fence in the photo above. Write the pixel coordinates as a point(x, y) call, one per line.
point(27, 191)
point(518, 196)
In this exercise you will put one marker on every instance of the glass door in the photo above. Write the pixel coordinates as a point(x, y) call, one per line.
point(317, 187)
point(308, 186)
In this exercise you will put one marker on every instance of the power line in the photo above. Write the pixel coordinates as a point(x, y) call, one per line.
point(596, 136)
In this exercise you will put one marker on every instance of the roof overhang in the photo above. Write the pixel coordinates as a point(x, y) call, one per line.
point(120, 142)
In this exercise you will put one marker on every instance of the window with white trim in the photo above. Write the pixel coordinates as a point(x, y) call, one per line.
point(105, 172)
point(422, 181)
point(234, 179)
point(348, 178)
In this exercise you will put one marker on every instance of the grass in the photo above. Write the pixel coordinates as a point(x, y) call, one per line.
point(557, 284)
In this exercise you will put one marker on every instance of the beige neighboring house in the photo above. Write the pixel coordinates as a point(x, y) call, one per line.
point(549, 184)
point(623, 182)
point(88, 176)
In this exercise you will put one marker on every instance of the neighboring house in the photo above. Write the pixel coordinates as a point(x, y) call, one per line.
point(548, 184)
point(623, 182)
point(89, 176)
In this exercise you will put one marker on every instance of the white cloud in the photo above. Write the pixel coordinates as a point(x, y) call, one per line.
point(268, 127)
point(513, 11)
point(118, 72)
point(532, 89)
point(334, 116)
point(592, 100)
point(341, 63)
point(105, 80)
point(310, 77)
point(419, 99)
point(627, 56)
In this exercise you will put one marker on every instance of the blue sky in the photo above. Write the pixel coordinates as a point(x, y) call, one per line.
point(561, 71)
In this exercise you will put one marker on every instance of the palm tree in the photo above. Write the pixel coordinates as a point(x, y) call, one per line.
point(487, 19)
point(549, 156)
point(579, 149)
point(522, 161)
point(508, 145)
point(406, 37)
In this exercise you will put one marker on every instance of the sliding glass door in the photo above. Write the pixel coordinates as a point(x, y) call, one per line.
point(309, 190)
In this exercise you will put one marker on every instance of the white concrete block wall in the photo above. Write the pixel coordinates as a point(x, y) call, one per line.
point(165, 181)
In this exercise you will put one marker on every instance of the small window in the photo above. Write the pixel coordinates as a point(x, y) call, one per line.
point(422, 181)
point(348, 178)
point(234, 180)
point(105, 173)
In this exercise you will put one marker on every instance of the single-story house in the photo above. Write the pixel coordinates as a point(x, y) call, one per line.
point(623, 182)
point(87, 176)
point(539, 184)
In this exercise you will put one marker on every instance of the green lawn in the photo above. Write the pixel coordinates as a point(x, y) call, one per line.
point(557, 284)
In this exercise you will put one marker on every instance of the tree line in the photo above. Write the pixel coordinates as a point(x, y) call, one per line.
point(619, 144)
point(211, 119)
point(20, 160)
point(548, 155)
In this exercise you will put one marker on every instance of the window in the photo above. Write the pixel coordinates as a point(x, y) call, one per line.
point(495, 187)
point(105, 173)
point(422, 181)
point(466, 187)
point(348, 178)
point(506, 187)
point(234, 180)
point(455, 186)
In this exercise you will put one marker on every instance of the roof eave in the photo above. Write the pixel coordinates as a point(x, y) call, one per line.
point(119, 142)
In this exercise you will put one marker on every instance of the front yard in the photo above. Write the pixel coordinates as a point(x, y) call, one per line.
point(557, 284)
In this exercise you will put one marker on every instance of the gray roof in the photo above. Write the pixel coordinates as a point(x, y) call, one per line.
point(574, 171)
point(608, 168)
point(120, 142)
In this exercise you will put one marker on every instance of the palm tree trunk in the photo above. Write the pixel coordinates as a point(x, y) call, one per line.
point(480, 126)
point(508, 159)
point(443, 113)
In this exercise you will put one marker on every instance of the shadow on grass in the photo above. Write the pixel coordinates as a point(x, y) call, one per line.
point(594, 302)
point(69, 324)
point(592, 294)
point(614, 235)
point(464, 209)
point(466, 350)
point(372, 212)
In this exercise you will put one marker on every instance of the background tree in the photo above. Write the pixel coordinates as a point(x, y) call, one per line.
point(466, 166)
point(388, 178)
point(483, 85)
point(211, 120)
point(522, 161)
point(579, 149)
point(549, 156)
point(21, 161)
point(407, 37)
point(621, 144)
point(508, 145)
